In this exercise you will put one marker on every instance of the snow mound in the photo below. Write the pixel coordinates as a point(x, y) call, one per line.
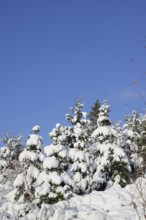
point(115, 203)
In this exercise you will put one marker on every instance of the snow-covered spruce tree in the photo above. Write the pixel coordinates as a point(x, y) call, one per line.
point(4, 153)
point(12, 148)
point(9, 163)
point(31, 164)
point(110, 161)
point(54, 183)
point(141, 142)
point(131, 134)
point(80, 158)
point(93, 115)
point(134, 131)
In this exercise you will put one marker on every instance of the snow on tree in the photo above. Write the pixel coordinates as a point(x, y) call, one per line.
point(119, 134)
point(141, 142)
point(9, 153)
point(54, 183)
point(4, 153)
point(110, 161)
point(31, 159)
point(76, 140)
point(60, 135)
point(105, 131)
point(36, 129)
point(11, 149)
point(134, 132)
point(131, 135)
point(76, 113)
point(79, 149)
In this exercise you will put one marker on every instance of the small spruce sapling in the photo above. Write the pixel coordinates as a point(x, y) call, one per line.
point(54, 183)
point(31, 159)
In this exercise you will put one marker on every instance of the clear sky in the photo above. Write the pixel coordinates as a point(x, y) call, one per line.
point(52, 51)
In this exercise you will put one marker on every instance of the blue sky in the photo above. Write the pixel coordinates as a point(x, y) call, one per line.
point(52, 52)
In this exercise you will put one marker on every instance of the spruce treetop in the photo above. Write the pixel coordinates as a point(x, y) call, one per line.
point(77, 113)
point(94, 113)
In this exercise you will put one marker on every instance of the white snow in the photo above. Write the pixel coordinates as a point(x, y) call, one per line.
point(3, 164)
point(115, 203)
point(30, 155)
point(19, 180)
point(80, 155)
point(129, 133)
point(43, 189)
point(34, 139)
point(43, 177)
point(50, 162)
point(55, 178)
point(36, 128)
point(102, 118)
point(77, 177)
point(26, 178)
point(4, 152)
point(63, 153)
point(77, 130)
point(67, 179)
point(105, 131)
point(51, 149)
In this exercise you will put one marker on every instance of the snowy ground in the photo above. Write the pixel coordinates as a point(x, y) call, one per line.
point(115, 203)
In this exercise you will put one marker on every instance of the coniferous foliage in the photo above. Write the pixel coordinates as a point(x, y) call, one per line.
point(141, 142)
point(9, 153)
point(76, 113)
point(83, 156)
point(134, 133)
point(80, 167)
point(31, 163)
point(12, 148)
point(131, 135)
point(111, 163)
point(54, 183)
point(94, 114)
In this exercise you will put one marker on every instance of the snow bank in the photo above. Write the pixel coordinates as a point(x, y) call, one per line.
point(115, 203)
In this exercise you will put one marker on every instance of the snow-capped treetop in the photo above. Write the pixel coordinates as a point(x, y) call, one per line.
point(77, 113)
point(36, 129)
point(59, 134)
point(34, 140)
point(131, 127)
point(103, 118)
point(94, 114)
point(58, 125)
point(104, 108)
point(105, 131)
